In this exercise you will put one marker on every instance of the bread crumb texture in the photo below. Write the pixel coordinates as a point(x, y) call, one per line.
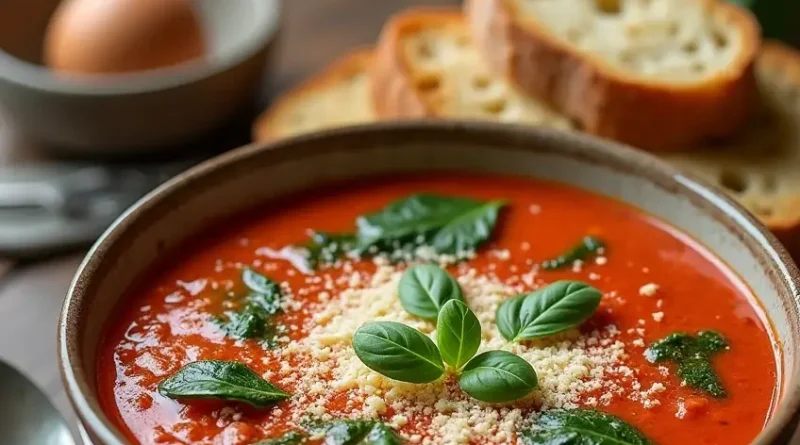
point(576, 368)
point(672, 40)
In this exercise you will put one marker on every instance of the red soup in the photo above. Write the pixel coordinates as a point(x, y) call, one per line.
point(438, 310)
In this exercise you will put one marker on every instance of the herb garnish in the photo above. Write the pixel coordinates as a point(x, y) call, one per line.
point(693, 356)
point(458, 333)
point(290, 438)
point(424, 288)
point(398, 352)
point(556, 308)
point(216, 379)
point(403, 353)
point(588, 245)
point(261, 303)
point(497, 377)
point(355, 432)
point(584, 427)
point(448, 224)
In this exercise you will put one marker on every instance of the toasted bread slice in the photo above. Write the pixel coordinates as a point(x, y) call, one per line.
point(427, 66)
point(656, 74)
point(336, 97)
point(761, 165)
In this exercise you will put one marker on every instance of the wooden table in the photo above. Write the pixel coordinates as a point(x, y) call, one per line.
point(315, 32)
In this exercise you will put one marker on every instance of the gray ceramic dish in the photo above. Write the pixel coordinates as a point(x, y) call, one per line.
point(252, 176)
point(137, 112)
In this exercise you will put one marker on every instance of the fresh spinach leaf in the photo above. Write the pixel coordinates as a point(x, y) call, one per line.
point(424, 288)
point(582, 427)
point(450, 225)
point(693, 357)
point(398, 352)
point(458, 333)
point(290, 438)
point(253, 319)
point(588, 246)
point(498, 377)
point(355, 432)
point(556, 308)
point(216, 379)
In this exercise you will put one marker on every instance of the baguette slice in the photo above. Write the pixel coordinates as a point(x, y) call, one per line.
point(427, 66)
point(761, 165)
point(656, 74)
point(336, 97)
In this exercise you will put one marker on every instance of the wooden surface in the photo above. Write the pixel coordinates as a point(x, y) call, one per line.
point(314, 33)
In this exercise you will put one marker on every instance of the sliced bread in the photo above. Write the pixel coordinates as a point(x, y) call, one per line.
point(427, 66)
point(656, 74)
point(336, 97)
point(761, 165)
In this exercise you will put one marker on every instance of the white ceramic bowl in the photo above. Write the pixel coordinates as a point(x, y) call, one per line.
point(137, 112)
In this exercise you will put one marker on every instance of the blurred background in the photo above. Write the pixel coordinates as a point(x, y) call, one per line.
point(102, 100)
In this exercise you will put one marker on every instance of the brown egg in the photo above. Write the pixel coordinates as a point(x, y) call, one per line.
point(117, 36)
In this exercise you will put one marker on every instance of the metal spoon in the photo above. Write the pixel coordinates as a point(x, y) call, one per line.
point(28, 417)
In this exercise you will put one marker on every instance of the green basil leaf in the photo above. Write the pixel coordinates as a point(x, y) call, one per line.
point(398, 352)
point(355, 432)
point(266, 293)
point(424, 288)
point(325, 248)
point(451, 225)
point(693, 355)
point(588, 246)
point(249, 323)
point(458, 333)
point(556, 308)
point(498, 377)
point(582, 427)
point(216, 379)
point(290, 438)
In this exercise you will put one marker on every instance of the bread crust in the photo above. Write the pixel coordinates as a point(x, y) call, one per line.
point(266, 126)
point(606, 101)
point(394, 95)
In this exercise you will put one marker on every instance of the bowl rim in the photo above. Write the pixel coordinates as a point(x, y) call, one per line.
point(752, 232)
point(25, 74)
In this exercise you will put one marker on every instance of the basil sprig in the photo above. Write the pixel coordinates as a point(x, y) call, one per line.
point(589, 245)
point(403, 353)
point(290, 438)
point(425, 288)
point(458, 333)
point(582, 426)
point(556, 308)
point(398, 352)
point(693, 356)
point(216, 379)
point(498, 376)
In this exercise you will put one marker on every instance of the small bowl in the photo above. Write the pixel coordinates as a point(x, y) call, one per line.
point(136, 112)
point(234, 183)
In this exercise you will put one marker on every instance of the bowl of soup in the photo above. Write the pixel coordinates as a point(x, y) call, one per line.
point(432, 283)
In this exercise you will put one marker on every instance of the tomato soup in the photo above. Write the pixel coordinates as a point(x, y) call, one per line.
point(440, 309)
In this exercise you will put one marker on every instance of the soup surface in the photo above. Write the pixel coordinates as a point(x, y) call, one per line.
point(654, 282)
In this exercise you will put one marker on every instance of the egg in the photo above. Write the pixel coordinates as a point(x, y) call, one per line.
point(119, 36)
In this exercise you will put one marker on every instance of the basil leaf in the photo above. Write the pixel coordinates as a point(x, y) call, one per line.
point(424, 288)
point(498, 377)
point(588, 246)
point(451, 225)
point(325, 248)
point(355, 432)
point(556, 308)
point(266, 294)
point(693, 356)
point(458, 333)
point(252, 320)
point(398, 352)
point(290, 438)
point(582, 427)
point(216, 379)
